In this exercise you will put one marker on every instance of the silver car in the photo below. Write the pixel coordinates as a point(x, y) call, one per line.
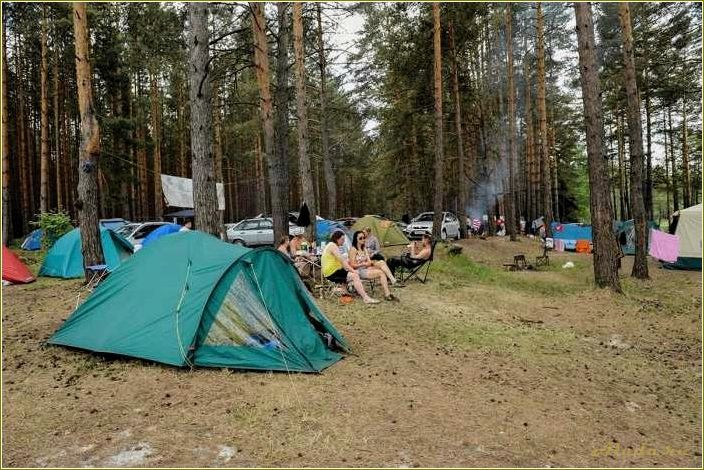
point(256, 232)
point(136, 232)
point(423, 224)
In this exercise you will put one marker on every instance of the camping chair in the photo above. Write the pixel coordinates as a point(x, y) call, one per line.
point(544, 259)
point(519, 263)
point(406, 274)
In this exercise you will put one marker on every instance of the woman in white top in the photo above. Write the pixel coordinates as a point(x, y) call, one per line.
point(359, 259)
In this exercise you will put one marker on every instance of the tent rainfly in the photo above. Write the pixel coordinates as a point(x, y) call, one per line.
point(193, 300)
point(688, 228)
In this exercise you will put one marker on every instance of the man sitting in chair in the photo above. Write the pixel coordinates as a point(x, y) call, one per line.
point(416, 256)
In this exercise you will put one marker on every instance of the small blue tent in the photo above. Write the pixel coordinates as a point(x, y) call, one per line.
point(325, 228)
point(65, 258)
point(160, 232)
point(33, 241)
point(570, 233)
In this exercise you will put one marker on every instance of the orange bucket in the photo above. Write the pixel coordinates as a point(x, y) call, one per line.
point(583, 246)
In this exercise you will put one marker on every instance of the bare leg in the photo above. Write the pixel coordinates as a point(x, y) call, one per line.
point(357, 283)
point(382, 265)
point(375, 273)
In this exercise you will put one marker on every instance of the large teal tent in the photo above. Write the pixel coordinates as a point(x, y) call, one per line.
point(65, 258)
point(191, 299)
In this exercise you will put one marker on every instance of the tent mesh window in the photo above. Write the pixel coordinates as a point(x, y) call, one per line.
point(243, 320)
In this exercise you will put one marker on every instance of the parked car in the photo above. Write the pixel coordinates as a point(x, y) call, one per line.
point(256, 232)
point(138, 231)
point(113, 224)
point(423, 223)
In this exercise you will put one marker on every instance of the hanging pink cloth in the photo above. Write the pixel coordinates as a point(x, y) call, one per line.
point(664, 246)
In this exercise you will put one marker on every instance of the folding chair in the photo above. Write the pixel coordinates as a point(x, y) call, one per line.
point(415, 273)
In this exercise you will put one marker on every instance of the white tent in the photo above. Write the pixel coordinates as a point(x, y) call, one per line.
point(689, 232)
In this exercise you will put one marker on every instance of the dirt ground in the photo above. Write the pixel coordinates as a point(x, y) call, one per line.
point(478, 367)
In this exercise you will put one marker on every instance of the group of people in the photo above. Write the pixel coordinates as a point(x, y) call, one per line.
point(364, 261)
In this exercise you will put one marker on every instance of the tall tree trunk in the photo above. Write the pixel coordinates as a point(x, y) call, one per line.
point(57, 133)
point(44, 103)
point(605, 247)
point(278, 165)
point(205, 201)
point(328, 169)
point(530, 157)
point(217, 148)
point(141, 155)
point(649, 157)
point(687, 180)
point(304, 169)
point(668, 185)
point(439, 152)
point(156, 141)
point(511, 97)
point(5, 145)
point(89, 153)
point(542, 117)
point(462, 180)
point(621, 168)
point(635, 134)
point(181, 111)
point(261, 64)
point(673, 167)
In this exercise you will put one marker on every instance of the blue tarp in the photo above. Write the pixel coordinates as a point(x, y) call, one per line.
point(570, 233)
point(33, 241)
point(324, 228)
point(160, 232)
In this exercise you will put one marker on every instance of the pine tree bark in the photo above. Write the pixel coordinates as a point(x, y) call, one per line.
point(462, 182)
point(439, 151)
point(205, 201)
point(605, 247)
point(278, 165)
point(542, 116)
point(511, 97)
point(635, 138)
point(44, 104)
point(673, 159)
point(687, 180)
point(649, 156)
point(622, 169)
point(328, 169)
point(530, 157)
point(156, 142)
point(5, 145)
point(89, 151)
point(217, 148)
point(57, 133)
point(304, 167)
point(261, 64)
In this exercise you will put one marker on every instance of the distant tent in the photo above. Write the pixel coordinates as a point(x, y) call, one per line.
point(325, 228)
point(65, 258)
point(626, 235)
point(160, 232)
point(386, 231)
point(191, 299)
point(33, 241)
point(688, 228)
point(12, 268)
point(570, 233)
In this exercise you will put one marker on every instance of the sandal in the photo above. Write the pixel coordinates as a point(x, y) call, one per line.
point(371, 301)
point(391, 298)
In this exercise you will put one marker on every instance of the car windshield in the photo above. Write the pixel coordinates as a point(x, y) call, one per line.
point(425, 217)
point(126, 230)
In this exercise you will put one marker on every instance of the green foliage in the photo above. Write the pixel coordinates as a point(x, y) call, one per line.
point(54, 224)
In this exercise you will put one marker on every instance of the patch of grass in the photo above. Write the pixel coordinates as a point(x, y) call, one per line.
point(495, 338)
point(463, 268)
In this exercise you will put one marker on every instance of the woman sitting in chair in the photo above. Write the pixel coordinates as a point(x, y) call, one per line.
point(415, 257)
point(336, 269)
point(368, 269)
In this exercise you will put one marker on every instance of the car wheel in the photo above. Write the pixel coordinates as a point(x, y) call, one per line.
point(238, 241)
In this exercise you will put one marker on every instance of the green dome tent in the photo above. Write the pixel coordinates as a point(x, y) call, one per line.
point(386, 231)
point(191, 299)
point(65, 258)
